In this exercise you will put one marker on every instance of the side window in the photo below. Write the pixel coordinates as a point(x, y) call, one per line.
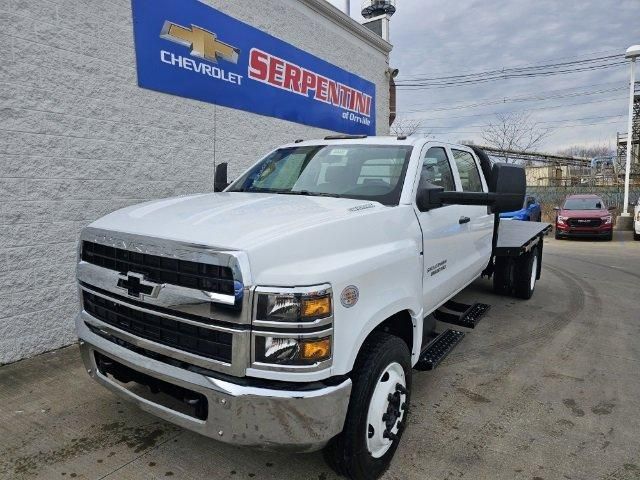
point(436, 169)
point(469, 175)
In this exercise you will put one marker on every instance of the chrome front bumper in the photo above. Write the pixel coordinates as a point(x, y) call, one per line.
point(259, 417)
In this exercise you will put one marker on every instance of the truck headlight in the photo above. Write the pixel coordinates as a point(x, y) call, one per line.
point(606, 220)
point(292, 328)
point(292, 350)
point(293, 307)
point(562, 219)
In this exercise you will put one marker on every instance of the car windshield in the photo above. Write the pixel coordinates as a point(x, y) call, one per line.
point(367, 172)
point(583, 204)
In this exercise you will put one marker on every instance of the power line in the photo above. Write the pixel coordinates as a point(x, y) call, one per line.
point(546, 60)
point(525, 99)
point(436, 85)
point(504, 71)
point(551, 107)
point(537, 123)
point(538, 95)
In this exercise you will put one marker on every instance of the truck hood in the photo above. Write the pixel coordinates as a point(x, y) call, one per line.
point(235, 221)
point(288, 239)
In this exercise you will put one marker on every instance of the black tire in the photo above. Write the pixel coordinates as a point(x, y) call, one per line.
point(609, 237)
point(636, 236)
point(557, 235)
point(523, 274)
point(502, 276)
point(347, 453)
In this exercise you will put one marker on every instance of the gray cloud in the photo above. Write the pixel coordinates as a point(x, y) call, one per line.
point(445, 37)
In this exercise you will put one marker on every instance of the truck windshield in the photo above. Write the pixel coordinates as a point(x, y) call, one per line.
point(367, 172)
point(583, 204)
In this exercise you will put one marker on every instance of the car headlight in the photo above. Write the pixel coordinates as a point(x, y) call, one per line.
point(292, 328)
point(606, 220)
point(293, 307)
point(292, 350)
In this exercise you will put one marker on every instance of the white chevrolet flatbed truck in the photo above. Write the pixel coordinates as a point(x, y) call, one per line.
point(289, 310)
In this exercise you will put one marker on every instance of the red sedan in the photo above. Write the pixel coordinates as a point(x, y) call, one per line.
point(584, 216)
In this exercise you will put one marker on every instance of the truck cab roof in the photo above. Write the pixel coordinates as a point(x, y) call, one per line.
point(410, 140)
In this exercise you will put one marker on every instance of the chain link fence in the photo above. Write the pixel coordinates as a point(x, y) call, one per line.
point(553, 196)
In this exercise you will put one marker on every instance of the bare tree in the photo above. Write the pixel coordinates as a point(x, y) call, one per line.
point(405, 126)
point(588, 151)
point(514, 131)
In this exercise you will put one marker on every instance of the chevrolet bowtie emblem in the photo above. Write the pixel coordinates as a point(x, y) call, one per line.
point(136, 286)
point(203, 43)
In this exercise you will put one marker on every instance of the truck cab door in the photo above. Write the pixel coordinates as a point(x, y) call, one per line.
point(478, 231)
point(444, 237)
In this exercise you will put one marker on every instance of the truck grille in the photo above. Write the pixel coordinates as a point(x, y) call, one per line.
point(183, 273)
point(213, 344)
point(584, 222)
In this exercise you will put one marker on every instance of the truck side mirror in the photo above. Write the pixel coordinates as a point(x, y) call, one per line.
point(220, 178)
point(506, 192)
point(428, 197)
point(509, 183)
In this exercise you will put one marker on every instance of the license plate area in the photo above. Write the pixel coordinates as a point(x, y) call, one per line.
point(168, 395)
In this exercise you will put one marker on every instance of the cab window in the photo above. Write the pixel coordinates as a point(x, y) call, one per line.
point(468, 170)
point(436, 169)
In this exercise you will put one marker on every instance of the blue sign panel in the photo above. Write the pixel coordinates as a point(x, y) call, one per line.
point(187, 48)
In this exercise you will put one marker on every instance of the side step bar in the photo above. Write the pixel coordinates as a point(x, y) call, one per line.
point(461, 314)
point(437, 350)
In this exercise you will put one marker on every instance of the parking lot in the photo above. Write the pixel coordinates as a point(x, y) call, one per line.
point(544, 389)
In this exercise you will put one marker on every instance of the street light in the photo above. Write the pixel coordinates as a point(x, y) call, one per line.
point(633, 52)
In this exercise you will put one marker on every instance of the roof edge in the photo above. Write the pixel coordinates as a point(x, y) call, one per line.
point(324, 8)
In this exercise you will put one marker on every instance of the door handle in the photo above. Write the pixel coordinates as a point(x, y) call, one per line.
point(464, 220)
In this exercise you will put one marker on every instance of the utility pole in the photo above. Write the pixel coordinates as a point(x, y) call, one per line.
point(625, 220)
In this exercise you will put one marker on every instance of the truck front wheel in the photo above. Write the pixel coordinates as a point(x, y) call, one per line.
point(378, 410)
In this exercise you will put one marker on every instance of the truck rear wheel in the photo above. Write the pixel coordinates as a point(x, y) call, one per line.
point(526, 274)
point(377, 412)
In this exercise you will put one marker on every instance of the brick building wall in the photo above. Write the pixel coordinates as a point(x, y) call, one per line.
point(79, 139)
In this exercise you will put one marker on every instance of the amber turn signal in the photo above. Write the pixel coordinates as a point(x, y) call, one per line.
point(316, 349)
point(316, 307)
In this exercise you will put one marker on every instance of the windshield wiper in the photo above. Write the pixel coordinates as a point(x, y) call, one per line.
point(313, 194)
point(306, 193)
point(262, 190)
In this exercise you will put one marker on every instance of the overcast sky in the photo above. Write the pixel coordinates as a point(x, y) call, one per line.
point(445, 37)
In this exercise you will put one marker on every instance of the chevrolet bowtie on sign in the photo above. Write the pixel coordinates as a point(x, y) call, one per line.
point(202, 43)
point(191, 50)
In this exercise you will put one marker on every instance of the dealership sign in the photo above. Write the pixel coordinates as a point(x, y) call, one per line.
point(187, 48)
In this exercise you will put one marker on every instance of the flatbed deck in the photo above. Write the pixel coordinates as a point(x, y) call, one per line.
point(516, 237)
